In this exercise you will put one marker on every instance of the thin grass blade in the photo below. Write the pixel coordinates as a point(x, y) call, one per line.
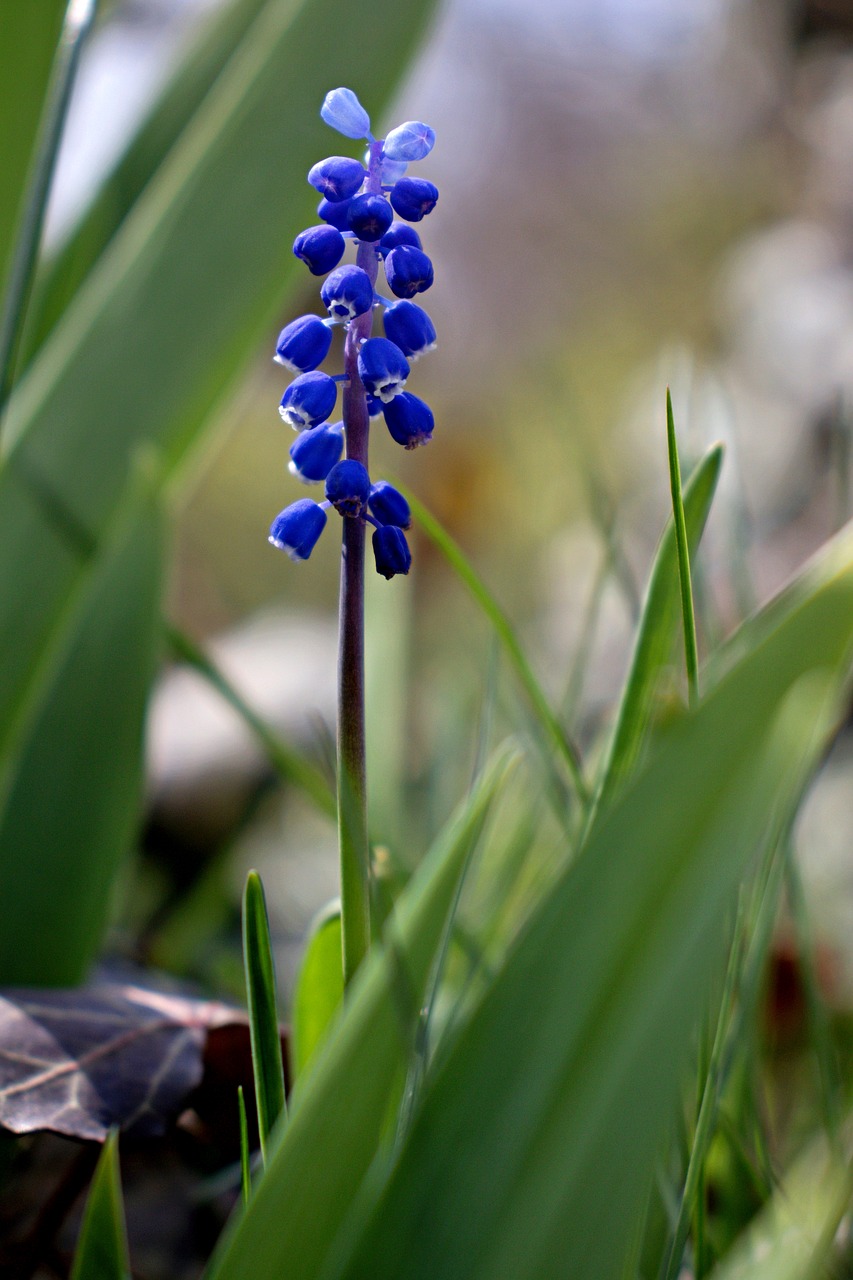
point(656, 632)
point(102, 1252)
point(688, 614)
point(263, 1014)
point(245, 1156)
point(319, 989)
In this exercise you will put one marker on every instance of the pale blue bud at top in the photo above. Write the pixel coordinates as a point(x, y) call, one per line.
point(348, 487)
point(296, 529)
point(303, 344)
point(347, 293)
point(337, 177)
point(308, 400)
point(320, 248)
point(389, 506)
point(410, 141)
point(409, 328)
point(410, 420)
point(342, 110)
point(413, 198)
point(382, 368)
point(408, 271)
point(315, 452)
point(391, 551)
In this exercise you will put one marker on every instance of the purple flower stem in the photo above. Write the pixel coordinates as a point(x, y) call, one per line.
point(353, 837)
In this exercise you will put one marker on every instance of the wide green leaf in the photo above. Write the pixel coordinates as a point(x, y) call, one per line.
point(338, 1111)
point(319, 989)
point(28, 38)
point(535, 1162)
point(101, 1252)
point(71, 794)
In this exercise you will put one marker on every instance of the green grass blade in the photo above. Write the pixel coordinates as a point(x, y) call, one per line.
point(319, 989)
point(656, 632)
point(338, 1112)
point(28, 38)
point(288, 763)
point(101, 1252)
point(79, 17)
point(263, 1015)
point(245, 1157)
point(60, 278)
point(557, 739)
point(688, 616)
point(535, 1163)
point(70, 794)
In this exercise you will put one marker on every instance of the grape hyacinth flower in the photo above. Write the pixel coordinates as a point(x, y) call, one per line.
point(357, 206)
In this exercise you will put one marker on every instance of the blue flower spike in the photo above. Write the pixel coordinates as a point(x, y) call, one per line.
point(347, 293)
point(296, 529)
point(342, 110)
point(315, 452)
point(320, 248)
point(337, 178)
point(389, 506)
point(348, 487)
point(409, 328)
point(410, 420)
point(413, 198)
point(391, 551)
point(408, 271)
point(410, 141)
point(308, 400)
point(303, 344)
point(359, 203)
point(382, 368)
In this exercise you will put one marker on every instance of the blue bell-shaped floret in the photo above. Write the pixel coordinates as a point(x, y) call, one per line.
point(342, 110)
point(410, 420)
point(335, 212)
point(413, 198)
point(303, 344)
point(315, 452)
point(337, 177)
point(409, 328)
point(399, 233)
point(410, 141)
point(348, 487)
point(308, 400)
point(391, 551)
point(347, 292)
point(370, 217)
point(382, 368)
point(374, 406)
point(321, 248)
point(408, 271)
point(389, 506)
point(296, 529)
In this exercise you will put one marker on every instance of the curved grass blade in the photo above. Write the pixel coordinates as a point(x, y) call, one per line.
point(688, 616)
point(79, 17)
point(267, 1062)
point(319, 989)
point(101, 1252)
point(288, 763)
point(557, 739)
point(535, 1163)
point(338, 1113)
point(656, 632)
